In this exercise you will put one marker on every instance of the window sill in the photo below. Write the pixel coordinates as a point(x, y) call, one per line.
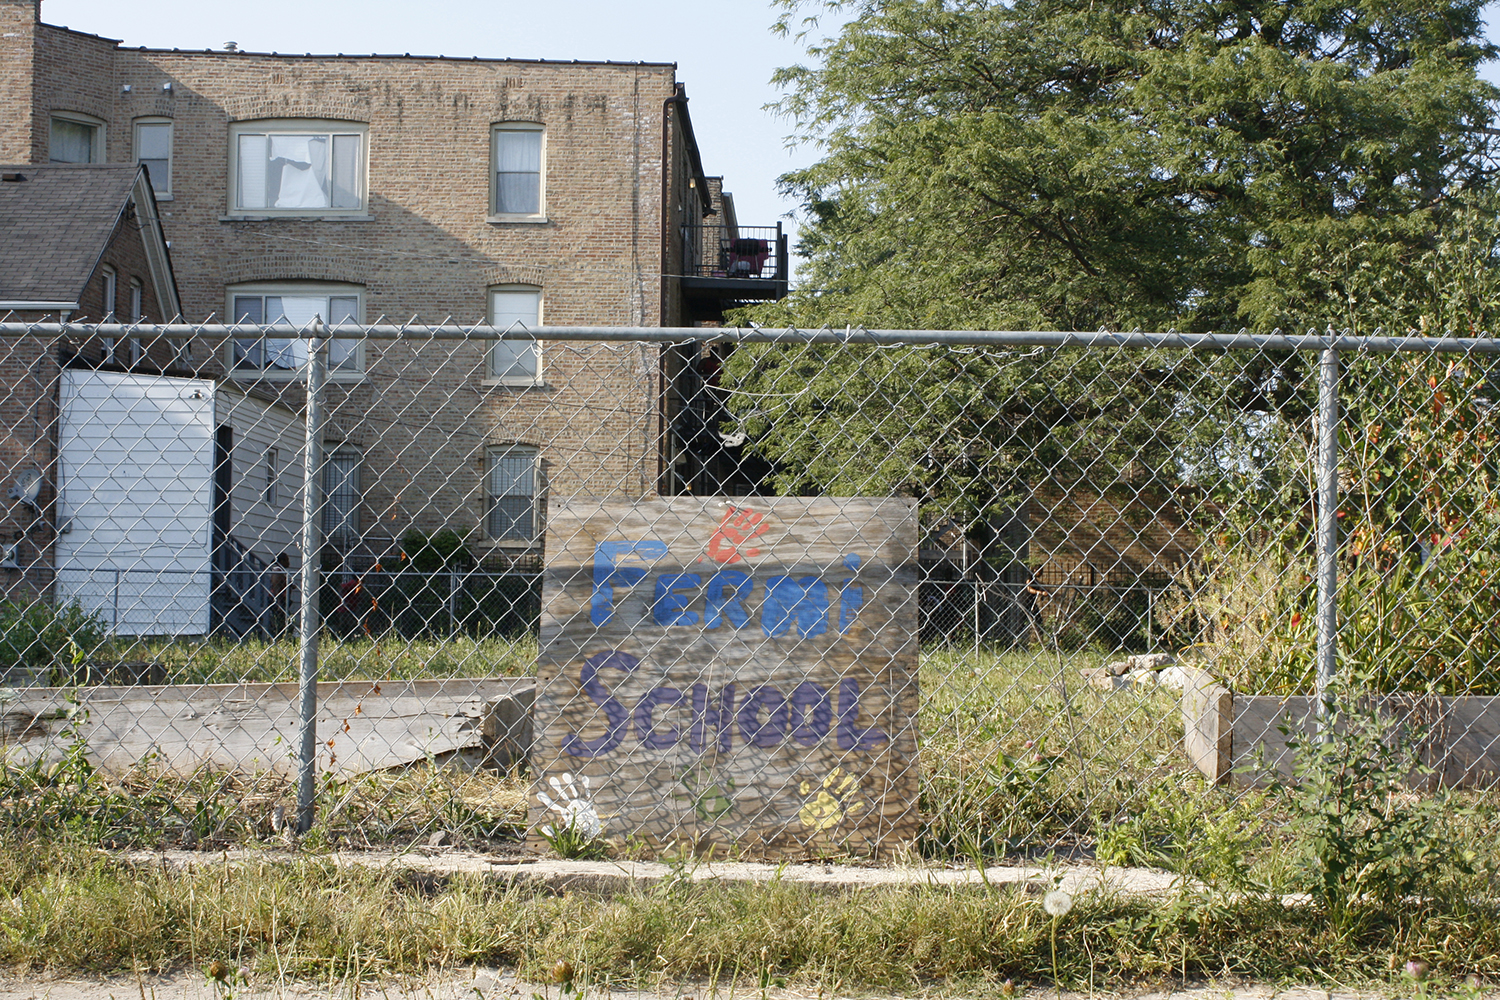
point(509, 544)
point(509, 220)
point(297, 218)
point(513, 383)
point(342, 378)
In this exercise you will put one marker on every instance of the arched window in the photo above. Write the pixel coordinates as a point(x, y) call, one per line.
point(75, 138)
point(293, 304)
point(297, 167)
point(153, 149)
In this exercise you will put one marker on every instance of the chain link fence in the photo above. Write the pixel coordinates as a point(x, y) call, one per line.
point(250, 590)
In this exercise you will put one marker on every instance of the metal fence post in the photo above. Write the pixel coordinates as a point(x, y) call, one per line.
point(312, 504)
point(1328, 532)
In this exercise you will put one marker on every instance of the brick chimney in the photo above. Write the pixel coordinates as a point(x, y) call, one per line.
point(18, 21)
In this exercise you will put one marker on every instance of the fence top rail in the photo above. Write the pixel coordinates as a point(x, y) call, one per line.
point(1137, 339)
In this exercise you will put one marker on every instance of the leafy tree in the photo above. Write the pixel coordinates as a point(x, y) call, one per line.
point(1060, 164)
point(1070, 165)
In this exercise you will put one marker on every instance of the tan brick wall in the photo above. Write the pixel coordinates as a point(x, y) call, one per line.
point(74, 72)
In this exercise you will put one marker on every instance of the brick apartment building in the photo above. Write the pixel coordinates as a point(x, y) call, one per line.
point(361, 187)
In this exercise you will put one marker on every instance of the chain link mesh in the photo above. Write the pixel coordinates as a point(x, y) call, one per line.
point(1114, 566)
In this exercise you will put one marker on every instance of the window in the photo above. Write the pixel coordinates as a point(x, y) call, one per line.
point(137, 348)
point(516, 362)
point(271, 465)
point(297, 167)
point(153, 149)
point(111, 282)
point(111, 290)
point(341, 497)
point(517, 158)
point(76, 138)
point(511, 494)
point(295, 305)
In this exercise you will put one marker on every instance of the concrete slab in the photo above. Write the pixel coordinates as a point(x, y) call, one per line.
point(362, 725)
point(615, 876)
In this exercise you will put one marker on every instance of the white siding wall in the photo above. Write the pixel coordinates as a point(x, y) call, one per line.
point(136, 470)
point(137, 462)
point(267, 529)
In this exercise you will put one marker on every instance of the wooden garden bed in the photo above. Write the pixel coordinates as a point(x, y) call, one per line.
point(1237, 738)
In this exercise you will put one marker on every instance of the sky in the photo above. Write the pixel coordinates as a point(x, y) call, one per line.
point(724, 50)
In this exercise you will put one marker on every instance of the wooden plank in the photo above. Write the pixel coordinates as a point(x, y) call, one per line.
point(1208, 724)
point(362, 725)
point(733, 673)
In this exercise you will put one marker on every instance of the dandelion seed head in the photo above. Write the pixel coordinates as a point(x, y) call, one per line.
point(1057, 903)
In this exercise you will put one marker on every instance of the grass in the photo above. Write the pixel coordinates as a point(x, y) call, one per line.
point(212, 808)
point(1019, 753)
point(1017, 757)
point(68, 908)
point(389, 657)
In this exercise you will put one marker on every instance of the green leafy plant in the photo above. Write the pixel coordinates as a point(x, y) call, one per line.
point(1175, 829)
point(36, 634)
point(1365, 842)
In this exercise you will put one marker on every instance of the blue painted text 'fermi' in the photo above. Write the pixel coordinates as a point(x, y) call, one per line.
point(801, 602)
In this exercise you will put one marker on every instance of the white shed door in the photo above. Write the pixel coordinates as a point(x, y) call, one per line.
point(136, 478)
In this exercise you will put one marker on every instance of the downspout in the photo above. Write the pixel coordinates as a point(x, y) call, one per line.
point(668, 164)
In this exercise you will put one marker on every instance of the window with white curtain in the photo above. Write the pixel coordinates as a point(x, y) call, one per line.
point(512, 482)
point(75, 138)
point(517, 156)
point(516, 362)
point(297, 167)
point(153, 149)
point(294, 305)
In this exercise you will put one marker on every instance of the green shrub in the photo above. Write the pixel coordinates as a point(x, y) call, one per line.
point(39, 635)
point(1365, 842)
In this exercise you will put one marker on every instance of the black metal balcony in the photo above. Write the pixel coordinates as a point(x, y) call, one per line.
point(725, 265)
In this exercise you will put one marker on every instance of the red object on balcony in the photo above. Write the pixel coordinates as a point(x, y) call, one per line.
point(747, 257)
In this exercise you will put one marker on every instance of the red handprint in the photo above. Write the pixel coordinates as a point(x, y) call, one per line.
point(738, 526)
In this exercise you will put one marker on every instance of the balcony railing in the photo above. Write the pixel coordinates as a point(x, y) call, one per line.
point(748, 252)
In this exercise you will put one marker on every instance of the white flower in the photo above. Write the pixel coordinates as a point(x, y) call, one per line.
point(1057, 903)
point(576, 811)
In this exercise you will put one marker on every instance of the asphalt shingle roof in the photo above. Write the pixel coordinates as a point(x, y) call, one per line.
point(54, 225)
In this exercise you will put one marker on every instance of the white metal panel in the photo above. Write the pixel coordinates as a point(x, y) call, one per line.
point(136, 455)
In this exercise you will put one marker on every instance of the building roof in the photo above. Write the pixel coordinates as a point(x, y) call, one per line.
point(55, 223)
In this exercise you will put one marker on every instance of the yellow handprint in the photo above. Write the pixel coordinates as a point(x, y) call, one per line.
point(837, 798)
